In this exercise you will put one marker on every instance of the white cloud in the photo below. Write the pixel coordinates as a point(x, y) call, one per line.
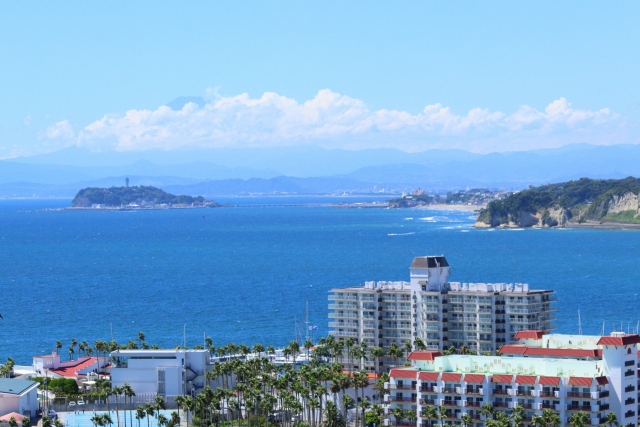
point(338, 121)
point(60, 130)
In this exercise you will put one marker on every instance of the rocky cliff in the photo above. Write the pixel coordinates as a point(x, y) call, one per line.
point(559, 205)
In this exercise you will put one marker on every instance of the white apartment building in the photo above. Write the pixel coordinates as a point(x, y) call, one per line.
point(562, 373)
point(481, 316)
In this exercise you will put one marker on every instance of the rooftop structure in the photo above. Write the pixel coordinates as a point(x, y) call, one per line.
point(51, 365)
point(479, 316)
point(601, 378)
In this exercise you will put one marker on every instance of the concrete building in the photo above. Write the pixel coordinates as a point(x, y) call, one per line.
point(563, 373)
point(19, 396)
point(480, 316)
point(167, 373)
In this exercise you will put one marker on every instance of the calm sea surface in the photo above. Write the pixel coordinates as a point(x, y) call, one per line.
point(245, 274)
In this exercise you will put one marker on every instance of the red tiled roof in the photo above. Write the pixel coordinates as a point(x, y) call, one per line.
point(553, 352)
point(403, 373)
point(581, 381)
point(423, 355)
point(602, 380)
point(18, 417)
point(451, 377)
point(620, 341)
point(549, 381)
point(525, 379)
point(71, 371)
point(498, 378)
point(474, 378)
point(428, 376)
point(531, 334)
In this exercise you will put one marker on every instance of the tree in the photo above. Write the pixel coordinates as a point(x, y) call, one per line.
point(579, 419)
point(71, 351)
point(141, 338)
point(117, 391)
point(611, 419)
point(517, 416)
point(347, 402)
point(140, 414)
point(332, 417)
point(551, 418)
point(488, 411)
point(467, 421)
point(408, 348)
point(128, 393)
point(26, 422)
point(377, 353)
point(399, 414)
point(150, 410)
point(443, 412)
point(365, 404)
point(13, 422)
point(419, 344)
point(430, 413)
point(175, 419)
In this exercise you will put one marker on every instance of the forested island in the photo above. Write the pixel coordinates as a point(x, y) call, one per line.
point(579, 203)
point(135, 198)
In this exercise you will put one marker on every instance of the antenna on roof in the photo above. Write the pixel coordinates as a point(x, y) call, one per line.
point(603, 322)
point(515, 271)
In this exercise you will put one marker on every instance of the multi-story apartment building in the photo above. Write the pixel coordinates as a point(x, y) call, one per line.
point(479, 316)
point(562, 373)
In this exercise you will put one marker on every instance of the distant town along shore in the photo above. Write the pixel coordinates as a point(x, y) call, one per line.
point(142, 197)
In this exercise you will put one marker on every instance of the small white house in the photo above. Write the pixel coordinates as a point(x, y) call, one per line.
point(20, 396)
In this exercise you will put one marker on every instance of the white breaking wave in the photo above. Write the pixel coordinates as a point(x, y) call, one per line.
point(400, 234)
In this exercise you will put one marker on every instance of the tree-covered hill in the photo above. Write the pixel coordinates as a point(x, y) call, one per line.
point(122, 196)
point(574, 201)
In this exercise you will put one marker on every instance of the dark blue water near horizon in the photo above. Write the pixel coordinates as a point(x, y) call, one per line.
point(245, 274)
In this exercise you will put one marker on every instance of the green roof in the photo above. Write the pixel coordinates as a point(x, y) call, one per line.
point(17, 387)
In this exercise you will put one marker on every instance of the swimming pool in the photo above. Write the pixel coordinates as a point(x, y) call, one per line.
point(71, 419)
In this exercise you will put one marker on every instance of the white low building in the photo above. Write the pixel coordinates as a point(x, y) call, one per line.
point(166, 373)
point(20, 396)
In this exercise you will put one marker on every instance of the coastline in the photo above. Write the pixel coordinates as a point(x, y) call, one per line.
point(442, 207)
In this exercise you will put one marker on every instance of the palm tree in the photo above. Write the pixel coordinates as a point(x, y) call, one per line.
point(175, 419)
point(347, 402)
point(466, 420)
point(26, 422)
point(551, 418)
point(411, 415)
point(365, 404)
point(162, 421)
point(517, 416)
point(538, 421)
point(106, 419)
point(377, 353)
point(128, 393)
point(71, 351)
point(579, 419)
point(464, 350)
point(141, 338)
point(443, 412)
point(611, 419)
point(332, 417)
point(117, 391)
point(46, 421)
point(430, 413)
point(399, 414)
point(150, 410)
point(408, 348)
point(13, 422)
point(140, 414)
point(96, 420)
point(419, 344)
point(488, 411)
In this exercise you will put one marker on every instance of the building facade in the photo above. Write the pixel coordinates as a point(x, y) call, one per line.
point(19, 396)
point(562, 373)
point(479, 316)
point(166, 373)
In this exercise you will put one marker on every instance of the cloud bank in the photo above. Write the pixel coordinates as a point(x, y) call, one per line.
point(333, 120)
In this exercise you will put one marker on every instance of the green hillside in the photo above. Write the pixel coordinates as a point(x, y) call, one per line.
point(120, 196)
point(583, 200)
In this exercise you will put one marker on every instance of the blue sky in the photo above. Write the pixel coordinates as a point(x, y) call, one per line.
point(338, 74)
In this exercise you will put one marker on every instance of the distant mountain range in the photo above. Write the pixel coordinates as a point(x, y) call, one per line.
point(309, 169)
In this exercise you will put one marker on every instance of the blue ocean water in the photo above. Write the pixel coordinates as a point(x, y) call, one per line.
point(245, 274)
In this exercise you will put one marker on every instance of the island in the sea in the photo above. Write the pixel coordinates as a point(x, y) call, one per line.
point(594, 203)
point(142, 197)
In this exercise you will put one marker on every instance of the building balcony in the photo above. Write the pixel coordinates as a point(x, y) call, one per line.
point(403, 399)
point(346, 306)
point(579, 395)
point(449, 402)
point(344, 333)
point(427, 389)
point(475, 391)
point(401, 387)
point(499, 391)
point(500, 404)
point(583, 408)
point(472, 404)
point(447, 390)
point(431, 402)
